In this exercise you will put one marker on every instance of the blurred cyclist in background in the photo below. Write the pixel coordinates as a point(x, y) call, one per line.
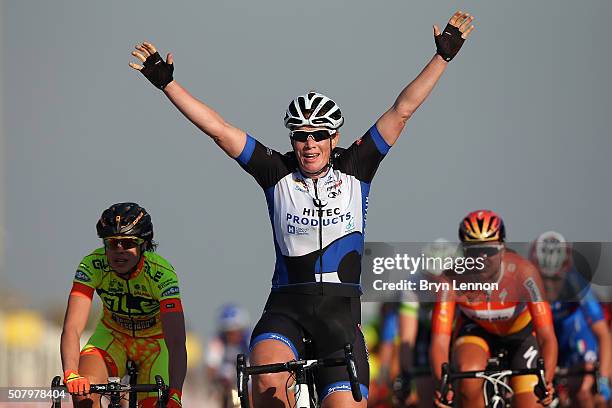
point(232, 339)
point(580, 325)
point(405, 336)
point(384, 354)
point(415, 317)
point(142, 317)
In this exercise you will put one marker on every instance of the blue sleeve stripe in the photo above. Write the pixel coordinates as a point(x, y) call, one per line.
point(247, 152)
point(380, 143)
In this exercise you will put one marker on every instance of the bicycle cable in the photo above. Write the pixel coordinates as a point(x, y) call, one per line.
point(495, 380)
point(291, 375)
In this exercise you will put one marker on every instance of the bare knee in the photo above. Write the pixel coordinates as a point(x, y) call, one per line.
point(470, 356)
point(265, 382)
point(270, 390)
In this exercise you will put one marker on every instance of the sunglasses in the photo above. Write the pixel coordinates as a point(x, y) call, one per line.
point(125, 242)
point(481, 251)
point(318, 135)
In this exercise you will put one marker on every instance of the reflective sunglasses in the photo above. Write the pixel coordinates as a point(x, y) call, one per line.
point(318, 135)
point(481, 251)
point(125, 242)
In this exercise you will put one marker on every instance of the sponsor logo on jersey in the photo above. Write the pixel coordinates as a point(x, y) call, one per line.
point(300, 185)
point(334, 194)
point(158, 274)
point(335, 184)
point(142, 293)
point(81, 276)
point(490, 315)
point(350, 226)
point(174, 290)
point(165, 283)
point(533, 290)
point(101, 265)
point(292, 229)
point(133, 324)
point(333, 216)
point(115, 286)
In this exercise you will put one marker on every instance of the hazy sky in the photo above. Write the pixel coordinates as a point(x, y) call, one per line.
point(519, 124)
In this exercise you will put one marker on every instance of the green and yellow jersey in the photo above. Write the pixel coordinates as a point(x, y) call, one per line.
point(130, 306)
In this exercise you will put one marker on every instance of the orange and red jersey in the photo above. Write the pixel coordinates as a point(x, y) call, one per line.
point(517, 301)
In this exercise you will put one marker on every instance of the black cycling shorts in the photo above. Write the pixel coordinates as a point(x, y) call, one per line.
point(521, 347)
point(329, 322)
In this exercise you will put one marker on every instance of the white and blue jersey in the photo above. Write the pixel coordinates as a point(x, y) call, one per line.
point(318, 225)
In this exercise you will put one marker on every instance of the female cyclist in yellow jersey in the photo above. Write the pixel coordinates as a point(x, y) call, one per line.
point(142, 317)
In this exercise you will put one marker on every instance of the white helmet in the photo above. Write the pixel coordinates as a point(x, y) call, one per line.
point(313, 109)
point(551, 252)
point(437, 252)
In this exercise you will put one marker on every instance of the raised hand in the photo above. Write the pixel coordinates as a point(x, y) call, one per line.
point(154, 68)
point(458, 29)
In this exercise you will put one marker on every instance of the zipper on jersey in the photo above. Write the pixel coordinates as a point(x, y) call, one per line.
point(129, 308)
point(319, 208)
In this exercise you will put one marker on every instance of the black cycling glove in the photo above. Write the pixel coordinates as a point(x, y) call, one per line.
point(449, 42)
point(158, 71)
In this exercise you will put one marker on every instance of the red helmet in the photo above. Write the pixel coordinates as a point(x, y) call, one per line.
point(482, 226)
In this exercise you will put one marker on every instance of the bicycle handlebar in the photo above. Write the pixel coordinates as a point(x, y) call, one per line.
point(351, 367)
point(115, 387)
point(448, 377)
point(243, 372)
point(118, 387)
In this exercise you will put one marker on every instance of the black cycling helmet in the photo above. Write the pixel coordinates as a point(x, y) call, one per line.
point(126, 220)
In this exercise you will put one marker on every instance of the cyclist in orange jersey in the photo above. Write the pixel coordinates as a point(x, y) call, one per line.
point(512, 315)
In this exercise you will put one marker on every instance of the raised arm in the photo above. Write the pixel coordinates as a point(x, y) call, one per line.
point(392, 122)
point(160, 73)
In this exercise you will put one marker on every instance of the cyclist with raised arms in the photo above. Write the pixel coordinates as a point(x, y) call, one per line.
point(514, 317)
point(142, 317)
point(317, 199)
point(580, 324)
